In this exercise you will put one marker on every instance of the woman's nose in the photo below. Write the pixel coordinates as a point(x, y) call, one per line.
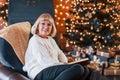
point(46, 27)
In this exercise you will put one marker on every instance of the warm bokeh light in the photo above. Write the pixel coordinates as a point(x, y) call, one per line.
point(3, 23)
point(86, 15)
point(2, 3)
point(61, 9)
point(3, 13)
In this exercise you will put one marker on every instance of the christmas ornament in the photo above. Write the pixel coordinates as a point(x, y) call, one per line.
point(88, 14)
point(96, 23)
point(72, 34)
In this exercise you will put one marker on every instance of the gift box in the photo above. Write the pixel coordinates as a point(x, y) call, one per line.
point(105, 54)
point(112, 71)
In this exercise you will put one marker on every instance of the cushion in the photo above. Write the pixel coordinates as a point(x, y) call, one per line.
point(8, 57)
point(17, 35)
point(13, 44)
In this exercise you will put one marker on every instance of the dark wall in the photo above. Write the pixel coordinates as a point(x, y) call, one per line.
point(20, 10)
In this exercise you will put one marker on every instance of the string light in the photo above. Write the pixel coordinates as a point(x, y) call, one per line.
point(79, 20)
point(3, 13)
point(61, 11)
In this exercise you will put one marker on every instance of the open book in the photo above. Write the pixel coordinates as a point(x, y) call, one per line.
point(84, 61)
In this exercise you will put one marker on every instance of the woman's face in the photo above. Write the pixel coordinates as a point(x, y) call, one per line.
point(44, 28)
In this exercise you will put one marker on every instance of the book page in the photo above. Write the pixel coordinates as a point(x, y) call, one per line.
point(79, 61)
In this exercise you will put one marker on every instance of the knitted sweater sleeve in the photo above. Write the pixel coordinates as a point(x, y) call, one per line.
point(61, 56)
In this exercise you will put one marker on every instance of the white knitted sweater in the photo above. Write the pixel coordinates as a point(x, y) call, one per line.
point(42, 53)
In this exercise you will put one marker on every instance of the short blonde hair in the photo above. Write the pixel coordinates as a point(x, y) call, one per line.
point(44, 16)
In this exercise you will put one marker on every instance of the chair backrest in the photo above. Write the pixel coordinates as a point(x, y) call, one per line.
point(13, 44)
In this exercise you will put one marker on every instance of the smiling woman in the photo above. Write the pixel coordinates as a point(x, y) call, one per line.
point(45, 29)
point(44, 60)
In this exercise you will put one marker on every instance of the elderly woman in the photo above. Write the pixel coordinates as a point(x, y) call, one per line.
point(44, 60)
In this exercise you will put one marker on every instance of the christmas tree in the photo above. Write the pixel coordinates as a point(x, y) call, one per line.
point(3, 13)
point(94, 23)
point(4, 9)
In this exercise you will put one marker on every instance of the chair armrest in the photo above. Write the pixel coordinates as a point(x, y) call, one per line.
point(10, 74)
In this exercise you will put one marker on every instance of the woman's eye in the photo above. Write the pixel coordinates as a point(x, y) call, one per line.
point(49, 24)
point(43, 23)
